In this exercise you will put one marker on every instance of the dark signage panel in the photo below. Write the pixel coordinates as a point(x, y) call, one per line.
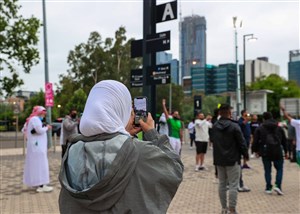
point(158, 42)
point(166, 12)
point(136, 48)
point(136, 78)
point(159, 74)
point(197, 103)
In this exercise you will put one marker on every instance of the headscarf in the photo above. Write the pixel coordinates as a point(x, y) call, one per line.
point(107, 109)
point(37, 110)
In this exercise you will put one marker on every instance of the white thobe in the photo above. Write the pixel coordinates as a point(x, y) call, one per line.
point(36, 168)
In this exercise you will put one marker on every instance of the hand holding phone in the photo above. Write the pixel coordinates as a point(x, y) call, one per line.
point(140, 109)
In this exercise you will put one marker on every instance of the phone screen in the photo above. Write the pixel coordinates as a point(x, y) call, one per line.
point(140, 109)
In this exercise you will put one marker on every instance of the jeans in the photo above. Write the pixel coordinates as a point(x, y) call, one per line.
point(228, 175)
point(278, 164)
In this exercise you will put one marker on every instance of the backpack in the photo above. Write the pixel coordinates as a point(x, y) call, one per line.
point(272, 145)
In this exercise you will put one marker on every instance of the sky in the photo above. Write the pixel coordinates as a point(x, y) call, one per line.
point(70, 22)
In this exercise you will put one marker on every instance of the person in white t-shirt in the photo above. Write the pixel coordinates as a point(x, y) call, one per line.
point(201, 140)
point(295, 123)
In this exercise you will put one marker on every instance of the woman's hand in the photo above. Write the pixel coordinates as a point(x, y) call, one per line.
point(149, 124)
point(131, 128)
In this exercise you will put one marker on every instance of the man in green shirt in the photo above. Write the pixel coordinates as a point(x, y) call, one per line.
point(175, 128)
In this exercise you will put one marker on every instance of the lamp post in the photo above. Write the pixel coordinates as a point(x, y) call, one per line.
point(238, 83)
point(244, 73)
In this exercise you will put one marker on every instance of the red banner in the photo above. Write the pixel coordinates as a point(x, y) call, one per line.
point(49, 96)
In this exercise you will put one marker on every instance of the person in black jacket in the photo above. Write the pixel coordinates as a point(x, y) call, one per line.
point(262, 148)
point(229, 145)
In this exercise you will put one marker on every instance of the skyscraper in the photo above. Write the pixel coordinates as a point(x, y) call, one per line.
point(192, 43)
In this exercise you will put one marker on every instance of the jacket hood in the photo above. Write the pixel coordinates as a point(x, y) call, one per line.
point(223, 123)
point(270, 124)
point(98, 170)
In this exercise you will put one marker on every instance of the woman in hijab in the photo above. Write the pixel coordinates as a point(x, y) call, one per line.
point(106, 170)
point(36, 168)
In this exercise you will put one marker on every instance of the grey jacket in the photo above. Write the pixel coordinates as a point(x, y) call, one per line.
point(118, 174)
point(69, 127)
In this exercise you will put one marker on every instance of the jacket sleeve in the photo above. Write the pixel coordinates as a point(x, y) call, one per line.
point(69, 124)
point(241, 143)
point(162, 141)
point(159, 171)
point(283, 140)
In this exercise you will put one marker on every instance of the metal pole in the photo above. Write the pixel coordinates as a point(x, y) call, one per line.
point(238, 88)
point(149, 27)
point(170, 98)
point(244, 80)
point(48, 117)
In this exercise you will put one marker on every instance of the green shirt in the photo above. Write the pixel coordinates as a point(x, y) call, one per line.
point(174, 126)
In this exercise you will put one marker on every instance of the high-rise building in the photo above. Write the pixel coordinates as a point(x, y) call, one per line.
point(192, 43)
point(294, 66)
point(260, 67)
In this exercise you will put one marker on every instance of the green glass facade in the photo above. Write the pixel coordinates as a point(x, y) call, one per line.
point(214, 79)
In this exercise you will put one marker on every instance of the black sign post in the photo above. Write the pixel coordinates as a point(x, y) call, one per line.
point(158, 42)
point(166, 12)
point(136, 78)
point(149, 59)
point(197, 104)
point(147, 47)
point(159, 74)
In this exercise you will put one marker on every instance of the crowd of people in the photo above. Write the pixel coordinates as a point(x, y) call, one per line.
point(106, 168)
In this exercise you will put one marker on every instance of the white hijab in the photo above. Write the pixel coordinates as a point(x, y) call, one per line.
point(107, 109)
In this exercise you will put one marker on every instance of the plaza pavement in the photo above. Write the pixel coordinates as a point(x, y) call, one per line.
point(196, 194)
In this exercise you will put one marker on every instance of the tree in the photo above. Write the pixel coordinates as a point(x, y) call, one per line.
point(77, 101)
point(97, 60)
point(162, 92)
point(18, 40)
point(281, 89)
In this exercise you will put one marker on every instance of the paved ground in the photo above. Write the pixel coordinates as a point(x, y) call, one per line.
point(197, 193)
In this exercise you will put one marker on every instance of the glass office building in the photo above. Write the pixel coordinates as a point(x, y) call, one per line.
point(294, 66)
point(213, 79)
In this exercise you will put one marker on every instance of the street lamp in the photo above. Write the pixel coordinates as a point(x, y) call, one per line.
point(244, 56)
point(238, 83)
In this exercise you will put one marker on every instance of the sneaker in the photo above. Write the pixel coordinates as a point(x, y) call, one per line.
point(268, 191)
point(245, 166)
point(224, 211)
point(243, 189)
point(197, 168)
point(215, 181)
point(45, 188)
point(201, 168)
point(191, 147)
point(278, 190)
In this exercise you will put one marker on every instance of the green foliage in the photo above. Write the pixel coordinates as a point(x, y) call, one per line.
point(93, 61)
point(163, 92)
point(18, 41)
point(6, 111)
point(77, 101)
point(281, 89)
point(209, 103)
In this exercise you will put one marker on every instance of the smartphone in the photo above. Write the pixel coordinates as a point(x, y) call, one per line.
point(140, 109)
